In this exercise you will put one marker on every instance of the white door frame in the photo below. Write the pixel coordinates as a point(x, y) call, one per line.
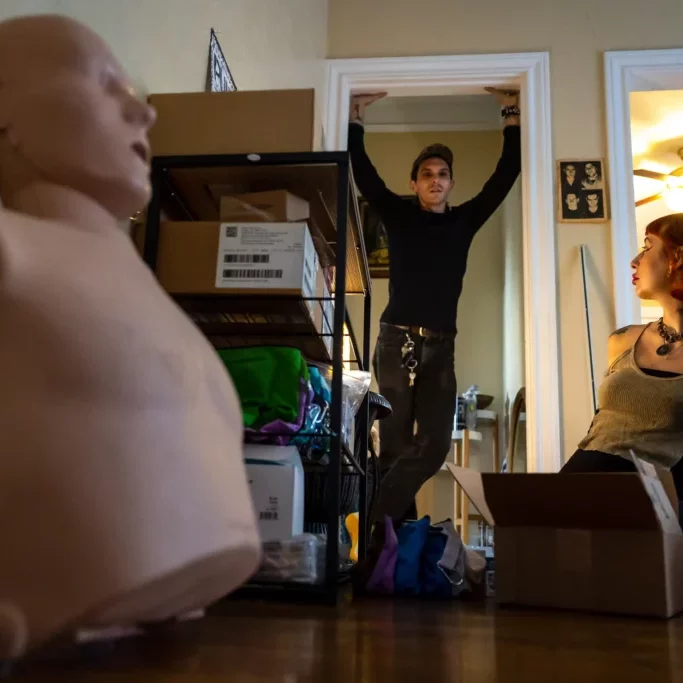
point(627, 71)
point(530, 71)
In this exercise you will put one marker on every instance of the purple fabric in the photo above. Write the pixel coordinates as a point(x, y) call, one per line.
point(382, 578)
point(283, 430)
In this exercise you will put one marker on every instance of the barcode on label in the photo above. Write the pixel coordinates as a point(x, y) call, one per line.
point(246, 258)
point(231, 231)
point(269, 516)
point(252, 273)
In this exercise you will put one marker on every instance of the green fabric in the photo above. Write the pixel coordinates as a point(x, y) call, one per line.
point(267, 380)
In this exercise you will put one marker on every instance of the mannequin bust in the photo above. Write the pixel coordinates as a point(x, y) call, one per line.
point(123, 493)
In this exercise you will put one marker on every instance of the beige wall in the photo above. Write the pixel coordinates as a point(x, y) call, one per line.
point(479, 346)
point(576, 34)
point(164, 43)
point(513, 299)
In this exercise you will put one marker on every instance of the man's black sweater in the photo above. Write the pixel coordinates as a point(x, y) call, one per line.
point(428, 251)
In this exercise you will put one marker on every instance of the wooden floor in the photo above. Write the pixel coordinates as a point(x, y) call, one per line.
point(384, 642)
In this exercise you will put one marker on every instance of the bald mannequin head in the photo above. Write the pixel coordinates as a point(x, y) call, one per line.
point(70, 125)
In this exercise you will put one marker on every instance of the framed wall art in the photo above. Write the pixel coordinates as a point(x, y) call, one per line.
point(218, 76)
point(375, 238)
point(582, 191)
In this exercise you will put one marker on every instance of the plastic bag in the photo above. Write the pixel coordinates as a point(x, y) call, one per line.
point(300, 559)
point(356, 383)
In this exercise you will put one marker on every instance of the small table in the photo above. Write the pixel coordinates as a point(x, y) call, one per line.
point(461, 439)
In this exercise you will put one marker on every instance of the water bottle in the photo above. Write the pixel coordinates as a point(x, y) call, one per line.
point(470, 399)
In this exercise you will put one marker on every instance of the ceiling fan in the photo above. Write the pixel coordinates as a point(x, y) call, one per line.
point(673, 183)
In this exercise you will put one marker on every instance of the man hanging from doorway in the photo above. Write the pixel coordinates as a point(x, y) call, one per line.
point(428, 245)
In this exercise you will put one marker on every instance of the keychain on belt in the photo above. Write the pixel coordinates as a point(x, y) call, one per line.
point(408, 360)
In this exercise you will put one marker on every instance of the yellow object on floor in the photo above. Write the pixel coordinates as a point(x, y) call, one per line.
point(352, 523)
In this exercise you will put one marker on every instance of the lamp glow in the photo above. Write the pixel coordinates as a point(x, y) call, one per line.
point(674, 199)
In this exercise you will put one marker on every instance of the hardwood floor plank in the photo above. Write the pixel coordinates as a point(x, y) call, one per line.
point(382, 640)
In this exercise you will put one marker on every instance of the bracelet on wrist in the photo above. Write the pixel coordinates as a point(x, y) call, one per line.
point(509, 112)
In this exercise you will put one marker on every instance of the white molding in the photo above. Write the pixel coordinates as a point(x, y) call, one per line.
point(531, 72)
point(428, 127)
point(626, 71)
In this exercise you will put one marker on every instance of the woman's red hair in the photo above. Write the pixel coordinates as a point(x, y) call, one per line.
point(669, 229)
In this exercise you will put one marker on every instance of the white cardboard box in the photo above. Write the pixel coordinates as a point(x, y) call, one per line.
point(267, 256)
point(276, 479)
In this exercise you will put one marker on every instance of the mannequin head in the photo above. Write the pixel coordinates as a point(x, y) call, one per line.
point(70, 124)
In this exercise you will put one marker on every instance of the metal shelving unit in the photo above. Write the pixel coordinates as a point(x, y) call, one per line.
point(182, 190)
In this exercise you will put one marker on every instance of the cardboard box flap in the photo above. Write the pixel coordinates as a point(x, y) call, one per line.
point(658, 487)
point(471, 483)
point(561, 501)
point(276, 206)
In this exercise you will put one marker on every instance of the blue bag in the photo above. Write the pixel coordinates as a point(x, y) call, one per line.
point(411, 541)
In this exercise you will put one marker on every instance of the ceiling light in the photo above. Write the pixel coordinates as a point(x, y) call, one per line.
point(674, 199)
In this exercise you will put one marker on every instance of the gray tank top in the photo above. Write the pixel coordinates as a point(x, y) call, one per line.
point(638, 412)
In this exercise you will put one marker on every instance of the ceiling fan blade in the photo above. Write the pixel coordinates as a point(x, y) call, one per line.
point(653, 175)
point(647, 200)
point(678, 172)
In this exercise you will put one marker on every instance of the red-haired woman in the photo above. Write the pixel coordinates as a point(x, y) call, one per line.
point(641, 397)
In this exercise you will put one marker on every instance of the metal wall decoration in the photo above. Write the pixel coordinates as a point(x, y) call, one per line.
point(218, 77)
point(582, 191)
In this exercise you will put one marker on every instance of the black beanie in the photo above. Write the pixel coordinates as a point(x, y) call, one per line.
point(430, 152)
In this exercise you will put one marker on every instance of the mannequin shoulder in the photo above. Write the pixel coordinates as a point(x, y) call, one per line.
point(16, 230)
point(622, 340)
point(18, 226)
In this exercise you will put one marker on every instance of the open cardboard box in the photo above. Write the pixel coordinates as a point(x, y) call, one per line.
point(593, 542)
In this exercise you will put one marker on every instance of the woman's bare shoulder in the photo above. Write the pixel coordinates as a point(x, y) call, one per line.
point(622, 340)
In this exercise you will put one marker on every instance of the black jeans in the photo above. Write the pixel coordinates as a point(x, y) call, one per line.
point(416, 439)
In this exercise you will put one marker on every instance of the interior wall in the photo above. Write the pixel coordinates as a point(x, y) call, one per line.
point(575, 34)
point(514, 355)
point(164, 44)
point(479, 345)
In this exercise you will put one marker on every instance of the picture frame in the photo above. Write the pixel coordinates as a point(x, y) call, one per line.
point(375, 238)
point(218, 75)
point(582, 195)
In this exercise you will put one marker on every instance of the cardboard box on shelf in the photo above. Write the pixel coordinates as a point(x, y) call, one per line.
point(225, 258)
point(274, 206)
point(276, 479)
point(267, 256)
point(608, 543)
point(275, 260)
point(241, 122)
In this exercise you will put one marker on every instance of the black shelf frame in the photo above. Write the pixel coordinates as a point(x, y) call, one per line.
point(328, 591)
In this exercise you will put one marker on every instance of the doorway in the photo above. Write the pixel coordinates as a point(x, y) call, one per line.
point(469, 75)
point(642, 102)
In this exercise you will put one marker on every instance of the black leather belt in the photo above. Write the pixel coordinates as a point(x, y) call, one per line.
point(425, 332)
